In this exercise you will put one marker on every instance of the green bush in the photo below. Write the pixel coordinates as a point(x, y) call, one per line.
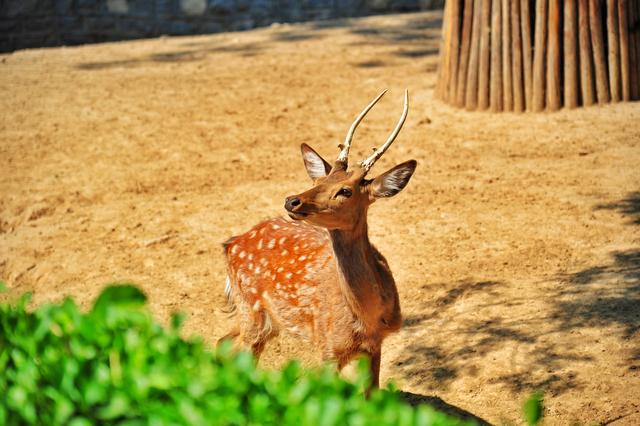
point(115, 365)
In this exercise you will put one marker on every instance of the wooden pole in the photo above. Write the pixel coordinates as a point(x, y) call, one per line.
point(570, 48)
point(633, 50)
point(527, 55)
point(507, 81)
point(455, 49)
point(515, 55)
point(496, 58)
point(597, 42)
point(443, 66)
point(516, 52)
point(623, 31)
point(554, 100)
point(586, 66)
point(485, 65)
point(464, 52)
point(613, 41)
point(539, 54)
point(471, 96)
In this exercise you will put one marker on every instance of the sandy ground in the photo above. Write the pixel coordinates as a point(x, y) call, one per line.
point(516, 246)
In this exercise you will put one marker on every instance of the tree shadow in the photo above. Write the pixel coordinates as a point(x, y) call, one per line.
point(423, 31)
point(605, 296)
point(177, 56)
point(628, 206)
point(415, 399)
point(374, 63)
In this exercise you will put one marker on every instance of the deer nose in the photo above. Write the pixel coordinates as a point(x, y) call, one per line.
point(291, 203)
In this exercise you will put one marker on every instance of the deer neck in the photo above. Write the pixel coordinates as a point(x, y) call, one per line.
point(358, 271)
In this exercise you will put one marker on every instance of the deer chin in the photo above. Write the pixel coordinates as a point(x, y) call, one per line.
point(297, 215)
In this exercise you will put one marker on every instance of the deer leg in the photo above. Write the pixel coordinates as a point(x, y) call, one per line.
point(374, 369)
point(231, 336)
point(262, 331)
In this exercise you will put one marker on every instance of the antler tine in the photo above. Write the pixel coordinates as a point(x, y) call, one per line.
point(369, 162)
point(343, 157)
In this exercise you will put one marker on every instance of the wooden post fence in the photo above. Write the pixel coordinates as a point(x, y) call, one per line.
point(535, 55)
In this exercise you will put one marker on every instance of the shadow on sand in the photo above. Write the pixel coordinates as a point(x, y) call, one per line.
point(440, 405)
point(603, 296)
point(414, 37)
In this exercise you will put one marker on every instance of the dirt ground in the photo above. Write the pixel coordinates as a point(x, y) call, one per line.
point(516, 246)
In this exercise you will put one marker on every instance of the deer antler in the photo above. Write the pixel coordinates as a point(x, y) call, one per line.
point(369, 162)
point(343, 157)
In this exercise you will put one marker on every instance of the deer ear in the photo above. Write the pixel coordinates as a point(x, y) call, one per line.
point(392, 181)
point(316, 166)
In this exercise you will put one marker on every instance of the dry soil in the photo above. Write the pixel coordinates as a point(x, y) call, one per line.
point(516, 246)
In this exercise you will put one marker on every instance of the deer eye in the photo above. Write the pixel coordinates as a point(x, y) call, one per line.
point(344, 192)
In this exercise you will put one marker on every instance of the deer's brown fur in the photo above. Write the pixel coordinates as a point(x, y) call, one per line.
point(319, 276)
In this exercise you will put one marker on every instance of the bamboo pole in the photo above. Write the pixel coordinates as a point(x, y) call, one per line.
point(464, 52)
point(586, 66)
point(554, 100)
point(507, 80)
point(600, 65)
point(613, 40)
point(455, 49)
point(471, 96)
point(485, 65)
point(570, 48)
point(516, 52)
point(539, 54)
point(623, 31)
point(527, 55)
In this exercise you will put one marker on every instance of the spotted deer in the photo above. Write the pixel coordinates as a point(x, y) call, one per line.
point(318, 275)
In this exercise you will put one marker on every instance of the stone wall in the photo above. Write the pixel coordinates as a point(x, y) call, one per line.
point(38, 23)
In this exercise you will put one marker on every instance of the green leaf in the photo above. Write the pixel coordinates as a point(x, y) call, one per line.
point(177, 319)
point(533, 408)
point(122, 295)
point(118, 406)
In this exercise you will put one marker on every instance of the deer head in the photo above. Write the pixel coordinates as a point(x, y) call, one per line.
point(340, 197)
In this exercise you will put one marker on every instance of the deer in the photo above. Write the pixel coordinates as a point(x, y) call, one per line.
point(316, 275)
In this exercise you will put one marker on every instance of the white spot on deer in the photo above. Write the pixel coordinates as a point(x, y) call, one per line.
point(242, 254)
point(264, 262)
point(306, 290)
point(282, 240)
point(287, 275)
point(250, 266)
point(252, 234)
point(280, 269)
point(257, 271)
point(274, 226)
point(284, 252)
point(296, 236)
point(253, 290)
point(299, 272)
point(256, 306)
point(234, 249)
point(260, 244)
point(296, 248)
point(278, 286)
point(262, 231)
point(302, 258)
point(292, 261)
point(272, 243)
point(250, 257)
